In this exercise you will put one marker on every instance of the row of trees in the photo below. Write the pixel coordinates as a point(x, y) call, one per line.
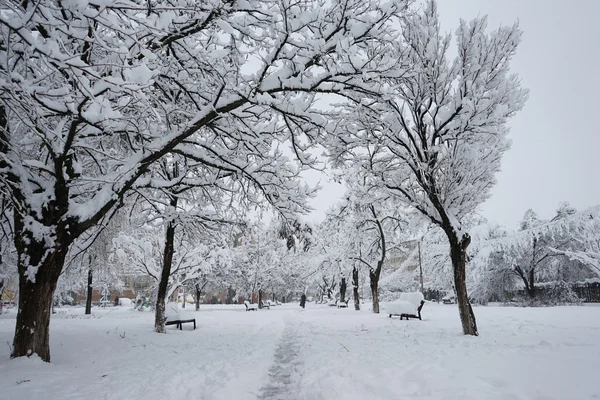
point(183, 114)
point(558, 252)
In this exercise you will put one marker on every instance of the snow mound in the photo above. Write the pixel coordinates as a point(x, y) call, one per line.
point(412, 297)
point(125, 302)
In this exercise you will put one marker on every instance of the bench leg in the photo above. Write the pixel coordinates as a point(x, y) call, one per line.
point(180, 326)
point(194, 324)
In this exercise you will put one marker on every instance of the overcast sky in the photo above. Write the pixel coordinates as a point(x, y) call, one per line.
point(555, 155)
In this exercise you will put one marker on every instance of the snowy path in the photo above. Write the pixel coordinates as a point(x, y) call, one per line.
point(319, 353)
point(283, 374)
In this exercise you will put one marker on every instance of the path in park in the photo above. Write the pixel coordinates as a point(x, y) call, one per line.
point(286, 367)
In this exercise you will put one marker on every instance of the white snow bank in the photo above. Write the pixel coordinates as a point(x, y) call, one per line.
point(400, 307)
point(320, 352)
point(125, 302)
point(414, 297)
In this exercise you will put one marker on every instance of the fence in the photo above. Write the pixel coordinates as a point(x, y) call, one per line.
point(588, 292)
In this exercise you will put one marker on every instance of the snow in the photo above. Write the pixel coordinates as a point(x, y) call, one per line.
point(400, 307)
point(412, 297)
point(124, 301)
point(316, 353)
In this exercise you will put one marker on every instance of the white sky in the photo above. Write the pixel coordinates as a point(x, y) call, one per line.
point(556, 141)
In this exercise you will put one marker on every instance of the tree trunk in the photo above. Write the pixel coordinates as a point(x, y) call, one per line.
point(532, 283)
point(197, 297)
point(37, 286)
point(32, 334)
point(343, 290)
point(1, 290)
point(159, 320)
point(375, 291)
point(260, 298)
point(458, 254)
point(355, 289)
point(88, 299)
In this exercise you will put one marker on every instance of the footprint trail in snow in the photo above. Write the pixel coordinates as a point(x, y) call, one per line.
point(284, 373)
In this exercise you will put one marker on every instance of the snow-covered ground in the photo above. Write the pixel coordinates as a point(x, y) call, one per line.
point(316, 353)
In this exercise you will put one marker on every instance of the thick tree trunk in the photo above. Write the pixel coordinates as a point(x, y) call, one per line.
point(32, 334)
point(343, 290)
point(36, 287)
point(88, 299)
point(355, 289)
point(458, 254)
point(375, 291)
point(159, 319)
point(260, 298)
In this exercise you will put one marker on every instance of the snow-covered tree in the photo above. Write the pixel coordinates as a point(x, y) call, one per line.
point(436, 136)
point(564, 210)
point(546, 252)
point(371, 228)
point(92, 94)
point(174, 243)
point(530, 220)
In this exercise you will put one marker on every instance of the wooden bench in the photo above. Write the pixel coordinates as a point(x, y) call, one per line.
point(180, 322)
point(250, 307)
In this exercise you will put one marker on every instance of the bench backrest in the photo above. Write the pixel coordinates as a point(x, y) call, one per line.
point(414, 297)
point(172, 312)
point(420, 308)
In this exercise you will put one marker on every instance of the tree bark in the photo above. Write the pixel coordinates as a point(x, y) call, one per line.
point(375, 291)
point(375, 274)
point(88, 299)
point(197, 297)
point(532, 292)
point(343, 290)
point(160, 318)
point(1, 290)
point(260, 299)
point(458, 254)
point(355, 289)
point(32, 334)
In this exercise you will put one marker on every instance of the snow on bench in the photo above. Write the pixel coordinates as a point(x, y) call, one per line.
point(409, 305)
point(250, 307)
point(266, 304)
point(342, 304)
point(177, 317)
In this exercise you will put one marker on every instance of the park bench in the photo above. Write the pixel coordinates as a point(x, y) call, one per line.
point(176, 317)
point(250, 307)
point(266, 304)
point(409, 305)
point(180, 322)
point(342, 304)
